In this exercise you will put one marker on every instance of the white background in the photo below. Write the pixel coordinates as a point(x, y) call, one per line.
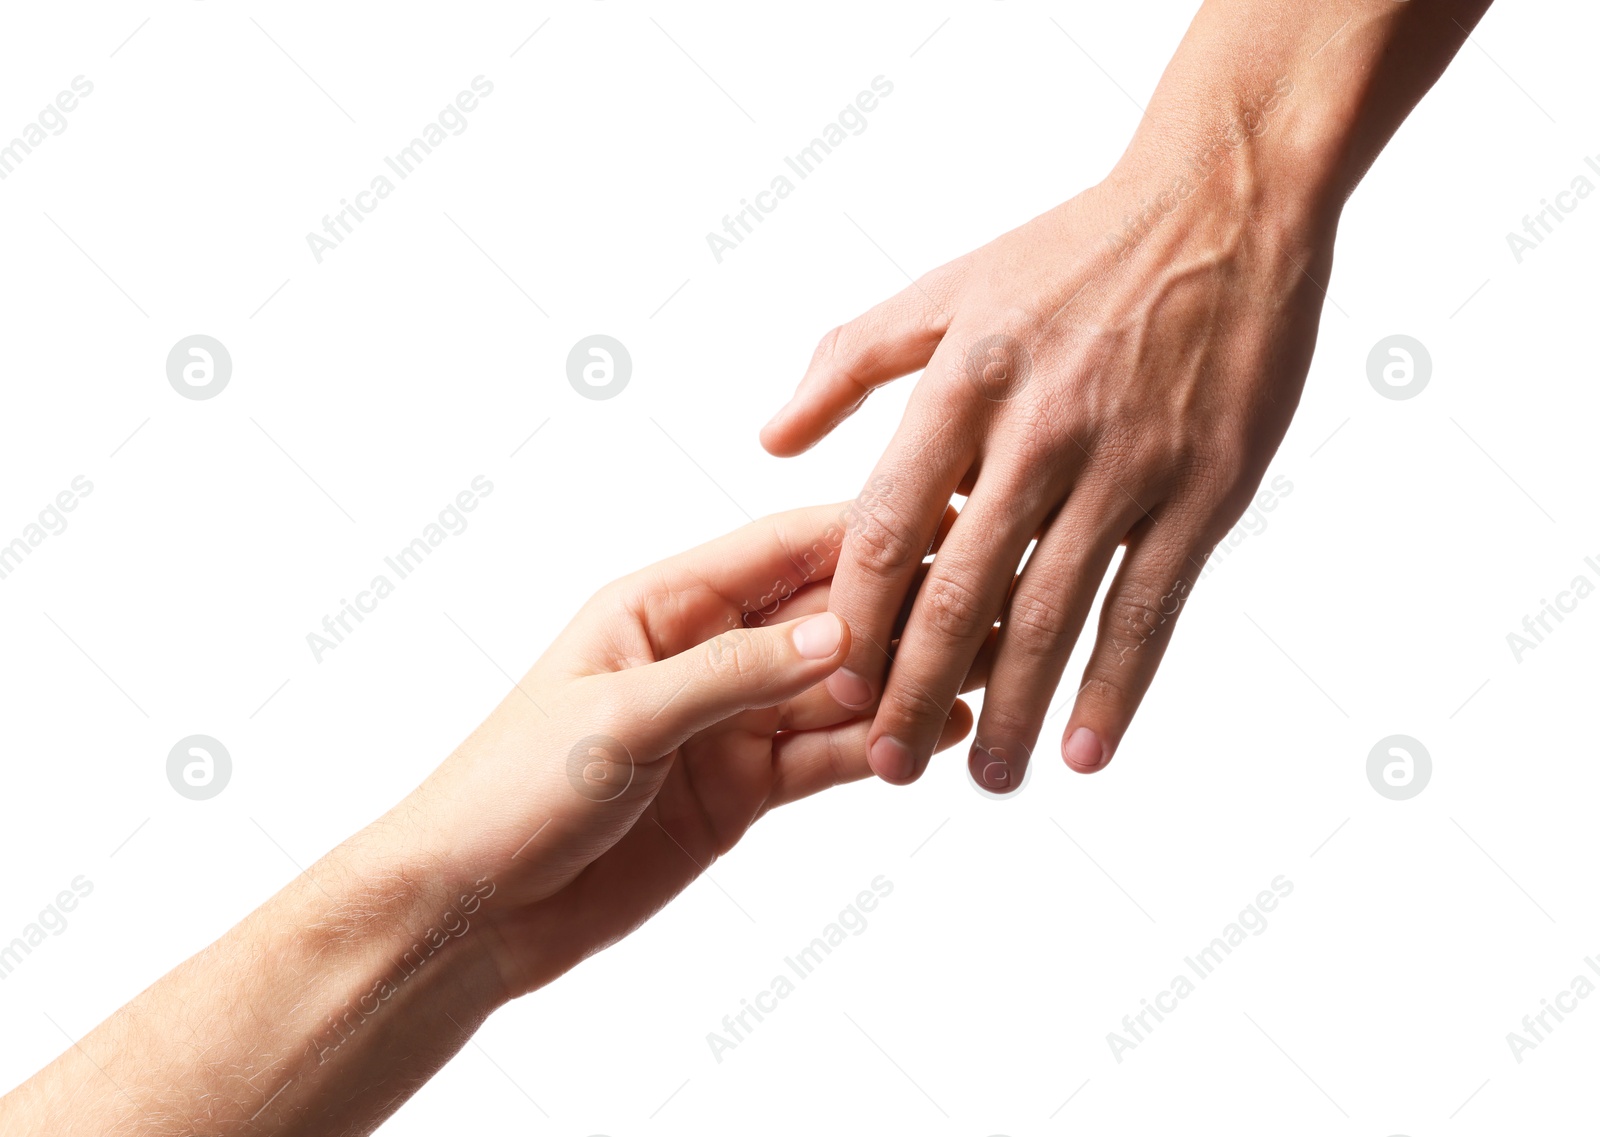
point(1019, 932)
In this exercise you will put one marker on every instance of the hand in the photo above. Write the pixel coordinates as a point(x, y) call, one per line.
point(1119, 370)
point(1088, 386)
point(637, 750)
point(647, 740)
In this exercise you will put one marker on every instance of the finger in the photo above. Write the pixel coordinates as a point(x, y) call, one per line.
point(1041, 622)
point(659, 705)
point(814, 760)
point(780, 565)
point(893, 339)
point(885, 544)
point(919, 574)
point(757, 570)
point(954, 610)
point(813, 598)
point(1136, 622)
point(816, 708)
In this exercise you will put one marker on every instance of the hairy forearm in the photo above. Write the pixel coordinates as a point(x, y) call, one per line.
point(321, 1012)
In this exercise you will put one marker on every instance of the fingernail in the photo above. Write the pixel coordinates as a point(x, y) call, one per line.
point(1085, 751)
point(990, 768)
point(891, 760)
point(849, 689)
point(818, 637)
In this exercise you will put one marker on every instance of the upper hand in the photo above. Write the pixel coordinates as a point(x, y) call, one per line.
point(1085, 390)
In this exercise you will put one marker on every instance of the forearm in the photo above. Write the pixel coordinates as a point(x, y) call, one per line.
point(321, 1012)
point(586, 800)
point(1282, 106)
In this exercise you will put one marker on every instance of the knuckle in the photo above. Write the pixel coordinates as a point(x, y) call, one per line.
point(1043, 419)
point(1135, 618)
point(828, 347)
point(1038, 624)
point(882, 540)
point(733, 656)
point(1204, 471)
point(1009, 726)
point(914, 703)
point(953, 607)
point(611, 595)
point(847, 350)
point(1104, 689)
point(945, 389)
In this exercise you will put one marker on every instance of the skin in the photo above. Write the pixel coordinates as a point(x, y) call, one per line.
point(640, 747)
point(1147, 365)
point(1116, 372)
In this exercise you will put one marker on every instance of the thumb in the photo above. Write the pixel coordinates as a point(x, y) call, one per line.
point(894, 339)
point(739, 670)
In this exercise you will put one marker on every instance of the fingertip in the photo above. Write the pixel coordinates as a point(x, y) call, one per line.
point(772, 436)
point(782, 438)
point(995, 769)
point(1083, 750)
point(892, 761)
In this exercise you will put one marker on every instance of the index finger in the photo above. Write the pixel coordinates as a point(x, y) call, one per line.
point(884, 546)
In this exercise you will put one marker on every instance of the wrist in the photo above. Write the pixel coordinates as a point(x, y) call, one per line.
point(398, 930)
point(1252, 153)
point(1214, 199)
point(434, 873)
point(1281, 107)
point(308, 1016)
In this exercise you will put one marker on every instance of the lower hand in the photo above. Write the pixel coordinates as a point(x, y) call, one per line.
point(646, 741)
